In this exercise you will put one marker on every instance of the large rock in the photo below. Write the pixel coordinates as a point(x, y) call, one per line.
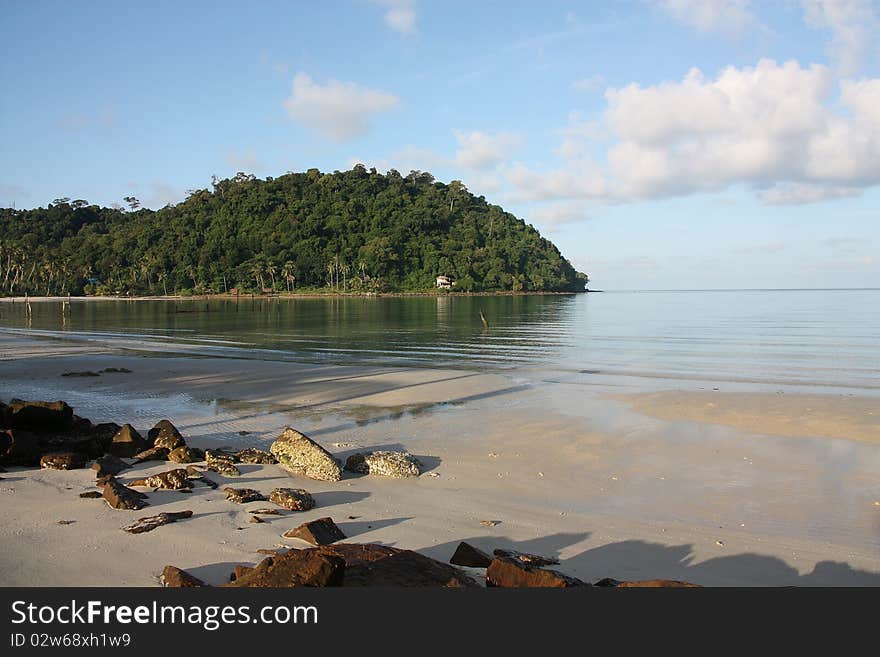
point(387, 464)
point(177, 479)
point(123, 497)
point(19, 447)
point(322, 531)
point(104, 433)
point(174, 577)
point(152, 454)
point(302, 455)
point(379, 565)
point(221, 463)
point(252, 455)
point(292, 569)
point(63, 461)
point(186, 454)
point(244, 495)
point(467, 555)
point(513, 573)
point(109, 465)
point(39, 416)
point(295, 499)
point(164, 434)
point(127, 442)
point(526, 558)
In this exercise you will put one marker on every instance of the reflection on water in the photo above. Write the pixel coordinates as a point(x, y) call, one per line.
point(810, 336)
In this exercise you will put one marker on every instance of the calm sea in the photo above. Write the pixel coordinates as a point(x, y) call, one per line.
point(798, 337)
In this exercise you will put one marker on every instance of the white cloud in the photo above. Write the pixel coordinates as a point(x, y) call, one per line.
point(773, 127)
point(481, 150)
point(726, 16)
point(336, 110)
point(400, 15)
point(853, 24)
point(555, 214)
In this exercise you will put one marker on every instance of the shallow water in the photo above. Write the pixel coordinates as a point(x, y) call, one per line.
point(796, 337)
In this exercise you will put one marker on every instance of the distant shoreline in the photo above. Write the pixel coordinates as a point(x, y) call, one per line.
point(287, 295)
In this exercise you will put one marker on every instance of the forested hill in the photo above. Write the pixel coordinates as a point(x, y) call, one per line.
point(356, 230)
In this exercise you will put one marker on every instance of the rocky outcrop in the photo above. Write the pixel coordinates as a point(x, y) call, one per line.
point(221, 463)
point(467, 555)
point(294, 499)
point(648, 584)
point(174, 577)
point(19, 447)
point(176, 479)
point(526, 558)
point(109, 465)
point(322, 531)
point(370, 564)
point(302, 455)
point(127, 442)
point(258, 456)
point(119, 496)
point(387, 464)
point(244, 495)
point(39, 416)
point(186, 454)
point(294, 568)
point(239, 571)
point(63, 461)
point(150, 523)
point(513, 573)
point(165, 434)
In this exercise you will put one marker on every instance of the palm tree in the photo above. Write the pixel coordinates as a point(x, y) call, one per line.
point(161, 276)
point(287, 273)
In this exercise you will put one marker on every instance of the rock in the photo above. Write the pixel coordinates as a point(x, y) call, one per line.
point(196, 475)
point(174, 577)
point(221, 463)
point(239, 571)
point(322, 531)
point(513, 573)
point(63, 461)
point(657, 584)
point(302, 455)
point(294, 568)
point(123, 497)
point(244, 495)
point(85, 373)
point(116, 370)
point(176, 479)
point(256, 520)
point(251, 455)
point(266, 512)
point(526, 558)
point(490, 523)
point(127, 442)
point(152, 454)
point(379, 565)
point(92, 495)
point(109, 465)
point(467, 555)
point(103, 433)
point(19, 447)
point(39, 416)
point(388, 464)
point(295, 499)
point(164, 434)
point(150, 523)
point(186, 454)
point(606, 582)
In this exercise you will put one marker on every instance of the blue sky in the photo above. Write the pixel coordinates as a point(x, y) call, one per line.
point(658, 143)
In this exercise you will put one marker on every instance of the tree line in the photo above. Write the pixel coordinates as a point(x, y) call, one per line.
point(351, 231)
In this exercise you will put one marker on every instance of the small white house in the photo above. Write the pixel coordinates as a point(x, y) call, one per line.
point(445, 282)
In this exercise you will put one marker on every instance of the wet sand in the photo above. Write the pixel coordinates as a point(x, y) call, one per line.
point(615, 481)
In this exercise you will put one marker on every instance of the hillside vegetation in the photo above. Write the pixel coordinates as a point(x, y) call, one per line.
point(352, 231)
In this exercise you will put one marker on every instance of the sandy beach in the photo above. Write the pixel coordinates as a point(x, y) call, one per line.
point(714, 487)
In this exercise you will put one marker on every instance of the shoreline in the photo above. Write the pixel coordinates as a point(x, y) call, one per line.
point(294, 295)
point(567, 472)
